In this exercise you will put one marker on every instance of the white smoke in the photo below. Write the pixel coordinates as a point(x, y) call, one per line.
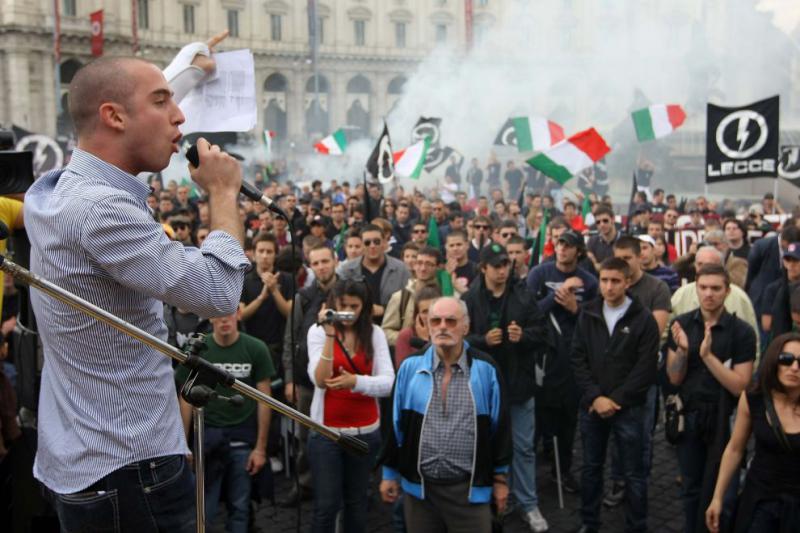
point(588, 64)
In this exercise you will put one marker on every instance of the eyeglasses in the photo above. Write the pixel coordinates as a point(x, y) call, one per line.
point(436, 321)
point(371, 242)
point(788, 359)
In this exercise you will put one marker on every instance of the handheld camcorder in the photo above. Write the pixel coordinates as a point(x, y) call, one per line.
point(332, 315)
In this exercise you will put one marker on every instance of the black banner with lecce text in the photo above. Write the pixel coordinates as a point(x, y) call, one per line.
point(742, 142)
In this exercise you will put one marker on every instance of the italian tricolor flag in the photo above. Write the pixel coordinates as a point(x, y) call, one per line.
point(657, 121)
point(409, 163)
point(570, 156)
point(536, 133)
point(333, 144)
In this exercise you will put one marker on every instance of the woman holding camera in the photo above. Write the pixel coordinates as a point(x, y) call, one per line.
point(770, 501)
point(350, 366)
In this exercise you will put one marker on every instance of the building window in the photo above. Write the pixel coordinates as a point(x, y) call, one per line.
point(143, 10)
point(188, 18)
point(361, 31)
point(320, 30)
point(400, 34)
point(233, 22)
point(70, 10)
point(441, 33)
point(275, 27)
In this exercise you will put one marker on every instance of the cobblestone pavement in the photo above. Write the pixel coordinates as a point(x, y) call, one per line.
point(665, 511)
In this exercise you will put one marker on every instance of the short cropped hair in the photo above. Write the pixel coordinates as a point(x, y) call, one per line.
point(714, 270)
point(615, 263)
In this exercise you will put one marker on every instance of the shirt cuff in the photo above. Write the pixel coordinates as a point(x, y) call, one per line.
point(390, 474)
point(226, 249)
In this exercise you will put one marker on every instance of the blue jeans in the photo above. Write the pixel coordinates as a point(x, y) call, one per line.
point(228, 471)
point(149, 496)
point(649, 428)
point(627, 426)
point(692, 457)
point(340, 479)
point(523, 462)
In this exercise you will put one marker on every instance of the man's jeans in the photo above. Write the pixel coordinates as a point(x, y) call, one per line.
point(148, 496)
point(649, 429)
point(523, 462)
point(627, 427)
point(340, 479)
point(227, 473)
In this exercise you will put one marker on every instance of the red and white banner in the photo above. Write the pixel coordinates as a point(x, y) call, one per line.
point(96, 22)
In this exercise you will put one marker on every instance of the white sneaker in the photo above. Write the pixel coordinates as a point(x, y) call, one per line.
point(276, 465)
point(536, 521)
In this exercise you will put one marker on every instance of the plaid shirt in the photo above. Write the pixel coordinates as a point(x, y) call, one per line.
point(447, 442)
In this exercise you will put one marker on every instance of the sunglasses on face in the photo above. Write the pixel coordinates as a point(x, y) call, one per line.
point(420, 231)
point(603, 221)
point(370, 242)
point(436, 321)
point(788, 359)
point(507, 235)
point(480, 226)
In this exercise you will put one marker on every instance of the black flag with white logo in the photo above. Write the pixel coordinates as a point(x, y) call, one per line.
point(381, 162)
point(427, 127)
point(507, 136)
point(742, 142)
point(789, 164)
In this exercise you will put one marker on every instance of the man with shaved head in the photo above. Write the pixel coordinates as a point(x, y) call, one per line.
point(111, 444)
point(450, 431)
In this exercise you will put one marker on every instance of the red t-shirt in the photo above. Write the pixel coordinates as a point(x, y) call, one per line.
point(343, 407)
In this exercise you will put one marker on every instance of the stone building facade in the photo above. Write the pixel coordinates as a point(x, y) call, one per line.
point(367, 49)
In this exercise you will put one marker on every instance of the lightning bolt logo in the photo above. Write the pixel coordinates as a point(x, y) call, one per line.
point(741, 133)
point(794, 155)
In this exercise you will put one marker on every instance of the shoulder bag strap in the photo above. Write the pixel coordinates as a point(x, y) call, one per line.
point(775, 423)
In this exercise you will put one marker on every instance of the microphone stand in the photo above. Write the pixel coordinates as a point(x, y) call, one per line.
point(203, 375)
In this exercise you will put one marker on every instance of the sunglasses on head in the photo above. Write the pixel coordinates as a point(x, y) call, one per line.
point(788, 359)
point(370, 242)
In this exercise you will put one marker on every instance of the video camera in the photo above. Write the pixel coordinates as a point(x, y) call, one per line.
point(331, 316)
point(16, 168)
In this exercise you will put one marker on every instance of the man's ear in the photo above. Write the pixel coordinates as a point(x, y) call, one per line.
point(113, 116)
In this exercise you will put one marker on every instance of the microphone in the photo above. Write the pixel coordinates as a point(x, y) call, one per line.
point(246, 189)
point(203, 394)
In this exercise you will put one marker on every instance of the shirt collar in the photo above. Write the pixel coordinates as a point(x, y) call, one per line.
point(462, 361)
point(83, 161)
point(723, 321)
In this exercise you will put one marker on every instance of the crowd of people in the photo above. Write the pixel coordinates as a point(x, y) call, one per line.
point(461, 339)
point(592, 323)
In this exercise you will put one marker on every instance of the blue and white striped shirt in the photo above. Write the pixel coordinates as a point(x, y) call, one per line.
point(106, 399)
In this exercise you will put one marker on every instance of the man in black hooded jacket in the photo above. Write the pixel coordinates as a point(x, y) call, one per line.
point(614, 360)
point(506, 323)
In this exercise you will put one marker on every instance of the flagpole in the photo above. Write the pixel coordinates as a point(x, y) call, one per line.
point(135, 26)
point(57, 56)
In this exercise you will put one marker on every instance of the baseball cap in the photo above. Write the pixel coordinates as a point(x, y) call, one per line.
point(793, 251)
point(317, 221)
point(572, 239)
point(648, 239)
point(494, 254)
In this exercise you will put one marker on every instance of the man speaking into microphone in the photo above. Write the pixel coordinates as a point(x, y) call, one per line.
point(111, 442)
